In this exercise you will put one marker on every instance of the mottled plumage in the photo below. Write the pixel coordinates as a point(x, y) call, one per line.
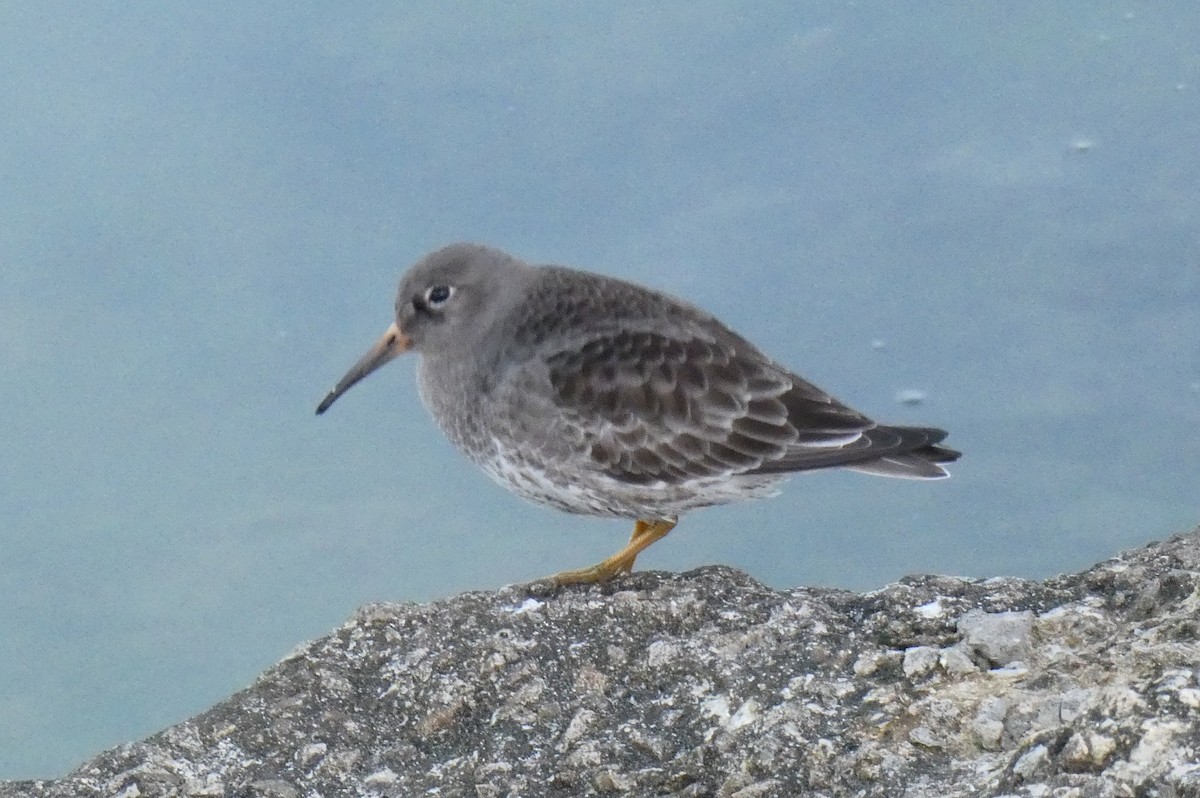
point(598, 396)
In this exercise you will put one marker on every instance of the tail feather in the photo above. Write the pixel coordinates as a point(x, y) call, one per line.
point(910, 452)
point(917, 456)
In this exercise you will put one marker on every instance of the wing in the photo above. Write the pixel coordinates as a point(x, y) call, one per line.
point(648, 407)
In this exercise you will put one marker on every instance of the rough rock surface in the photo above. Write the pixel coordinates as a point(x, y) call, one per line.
point(708, 683)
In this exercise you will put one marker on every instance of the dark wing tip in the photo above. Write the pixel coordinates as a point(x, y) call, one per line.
point(929, 450)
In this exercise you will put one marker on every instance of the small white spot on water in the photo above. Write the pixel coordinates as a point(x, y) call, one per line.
point(910, 396)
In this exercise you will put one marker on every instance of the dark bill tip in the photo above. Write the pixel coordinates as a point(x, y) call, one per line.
point(392, 344)
point(329, 399)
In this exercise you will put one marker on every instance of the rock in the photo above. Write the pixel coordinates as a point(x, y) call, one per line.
point(1031, 762)
point(920, 661)
point(708, 683)
point(1000, 638)
point(989, 723)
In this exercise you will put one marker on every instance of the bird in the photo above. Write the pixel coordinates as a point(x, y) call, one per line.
point(601, 397)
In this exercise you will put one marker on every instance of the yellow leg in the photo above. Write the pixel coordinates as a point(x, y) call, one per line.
point(644, 534)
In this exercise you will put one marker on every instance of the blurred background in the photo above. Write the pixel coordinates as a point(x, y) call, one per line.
point(982, 218)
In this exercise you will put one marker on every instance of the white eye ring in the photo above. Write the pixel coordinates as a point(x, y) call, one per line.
point(438, 295)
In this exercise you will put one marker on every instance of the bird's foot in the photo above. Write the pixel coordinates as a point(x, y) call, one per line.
point(644, 534)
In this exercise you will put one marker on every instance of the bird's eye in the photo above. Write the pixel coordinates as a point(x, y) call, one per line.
point(438, 295)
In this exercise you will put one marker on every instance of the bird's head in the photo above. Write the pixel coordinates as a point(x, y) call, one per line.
point(446, 304)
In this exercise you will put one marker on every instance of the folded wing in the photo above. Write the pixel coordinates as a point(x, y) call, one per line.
point(648, 408)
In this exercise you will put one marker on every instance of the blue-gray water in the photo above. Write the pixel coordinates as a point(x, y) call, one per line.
point(205, 210)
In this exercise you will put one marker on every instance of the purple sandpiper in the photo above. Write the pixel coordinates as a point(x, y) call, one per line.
point(598, 396)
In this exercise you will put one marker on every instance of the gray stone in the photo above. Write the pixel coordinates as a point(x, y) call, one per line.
point(1000, 638)
point(708, 683)
point(920, 661)
point(1031, 762)
point(956, 660)
point(989, 723)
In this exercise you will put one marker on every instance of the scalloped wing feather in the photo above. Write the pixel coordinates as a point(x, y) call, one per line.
point(653, 408)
